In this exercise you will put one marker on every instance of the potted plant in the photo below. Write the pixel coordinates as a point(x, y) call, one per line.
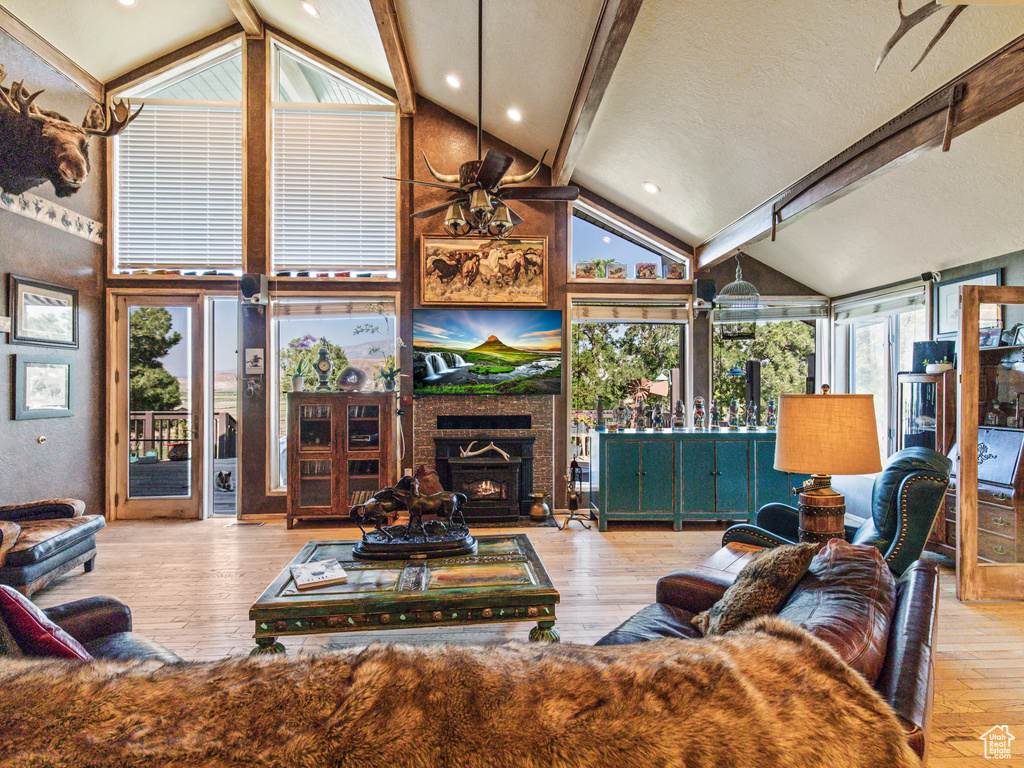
point(301, 370)
point(387, 373)
point(939, 366)
point(388, 370)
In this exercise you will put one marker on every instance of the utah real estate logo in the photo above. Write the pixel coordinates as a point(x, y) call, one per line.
point(997, 742)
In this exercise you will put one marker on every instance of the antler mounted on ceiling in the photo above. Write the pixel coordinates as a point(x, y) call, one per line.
point(910, 20)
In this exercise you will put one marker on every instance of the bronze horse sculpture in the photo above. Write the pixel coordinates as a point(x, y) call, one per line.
point(405, 496)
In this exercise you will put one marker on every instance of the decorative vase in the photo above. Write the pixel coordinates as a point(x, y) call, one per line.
point(298, 383)
point(539, 510)
point(938, 367)
point(389, 384)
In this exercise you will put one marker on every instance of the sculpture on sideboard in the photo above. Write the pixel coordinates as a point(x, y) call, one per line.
point(771, 418)
point(752, 414)
point(679, 416)
point(698, 413)
point(734, 414)
point(713, 414)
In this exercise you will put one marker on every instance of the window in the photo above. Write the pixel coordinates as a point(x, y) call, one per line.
point(178, 170)
point(880, 333)
point(360, 332)
point(597, 240)
point(333, 144)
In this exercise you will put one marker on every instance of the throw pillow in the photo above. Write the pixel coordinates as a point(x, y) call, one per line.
point(9, 533)
point(759, 588)
point(847, 600)
point(33, 630)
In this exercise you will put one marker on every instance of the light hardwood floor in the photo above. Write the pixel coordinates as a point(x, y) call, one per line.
point(190, 585)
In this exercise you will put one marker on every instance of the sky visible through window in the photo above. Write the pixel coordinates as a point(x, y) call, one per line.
point(590, 242)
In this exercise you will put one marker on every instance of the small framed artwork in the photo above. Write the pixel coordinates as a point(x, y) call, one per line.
point(646, 271)
point(616, 271)
point(42, 388)
point(947, 299)
point(989, 337)
point(43, 313)
point(1019, 337)
point(586, 269)
point(673, 270)
point(483, 270)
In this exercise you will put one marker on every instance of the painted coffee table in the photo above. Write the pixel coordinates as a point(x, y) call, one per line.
point(504, 581)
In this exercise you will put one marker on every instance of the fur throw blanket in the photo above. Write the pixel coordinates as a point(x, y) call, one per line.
point(767, 694)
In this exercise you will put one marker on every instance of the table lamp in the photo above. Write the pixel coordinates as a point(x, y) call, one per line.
point(824, 435)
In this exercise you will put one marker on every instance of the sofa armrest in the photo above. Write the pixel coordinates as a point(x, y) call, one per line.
point(781, 519)
point(92, 617)
point(47, 509)
point(691, 591)
point(907, 677)
point(920, 497)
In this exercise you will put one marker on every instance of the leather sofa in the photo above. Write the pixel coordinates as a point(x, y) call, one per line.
point(903, 649)
point(904, 501)
point(103, 625)
point(42, 540)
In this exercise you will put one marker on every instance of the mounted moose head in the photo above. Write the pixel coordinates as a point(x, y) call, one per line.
point(38, 144)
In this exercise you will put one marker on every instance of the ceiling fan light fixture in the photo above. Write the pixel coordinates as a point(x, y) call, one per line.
point(480, 207)
point(455, 223)
point(501, 223)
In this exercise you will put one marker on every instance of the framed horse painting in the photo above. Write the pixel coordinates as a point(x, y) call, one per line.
point(483, 270)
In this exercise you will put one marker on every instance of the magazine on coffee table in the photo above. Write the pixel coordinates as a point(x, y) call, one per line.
point(320, 573)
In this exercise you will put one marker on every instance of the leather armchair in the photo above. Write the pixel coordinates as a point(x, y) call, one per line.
point(905, 499)
point(103, 625)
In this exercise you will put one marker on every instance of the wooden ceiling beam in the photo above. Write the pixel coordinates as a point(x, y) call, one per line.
point(394, 48)
point(247, 16)
point(42, 48)
point(989, 88)
point(610, 35)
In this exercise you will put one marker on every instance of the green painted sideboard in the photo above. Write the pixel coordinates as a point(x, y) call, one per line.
point(685, 475)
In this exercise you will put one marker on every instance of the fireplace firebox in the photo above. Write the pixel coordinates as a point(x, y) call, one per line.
point(491, 486)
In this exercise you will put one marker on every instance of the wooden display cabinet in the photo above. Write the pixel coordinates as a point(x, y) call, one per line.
point(927, 419)
point(341, 450)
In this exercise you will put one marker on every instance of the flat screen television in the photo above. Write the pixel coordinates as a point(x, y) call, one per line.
point(487, 351)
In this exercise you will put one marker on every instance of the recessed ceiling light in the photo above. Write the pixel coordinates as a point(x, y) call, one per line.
point(606, 239)
point(651, 187)
point(309, 8)
point(515, 114)
point(453, 81)
point(126, 3)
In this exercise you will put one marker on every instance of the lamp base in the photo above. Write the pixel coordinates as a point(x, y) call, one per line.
point(822, 511)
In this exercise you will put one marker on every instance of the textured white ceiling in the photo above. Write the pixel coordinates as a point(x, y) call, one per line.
point(106, 39)
point(534, 51)
point(942, 210)
point(724, 103)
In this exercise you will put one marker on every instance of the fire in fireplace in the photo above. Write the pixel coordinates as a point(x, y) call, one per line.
point(490, 484)
point(486, 489)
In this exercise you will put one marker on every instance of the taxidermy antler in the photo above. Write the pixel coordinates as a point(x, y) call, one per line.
point(37, 144)
point(911, 20)
point(466, 452)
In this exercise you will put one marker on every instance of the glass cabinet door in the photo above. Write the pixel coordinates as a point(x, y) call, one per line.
point(363, 428)
point(917, 415)
point(316, 479)
point(315, 428)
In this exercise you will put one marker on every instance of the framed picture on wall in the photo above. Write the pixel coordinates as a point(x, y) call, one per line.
point(947, 299)
point(483, 270)
point(43, 313)
point(42, 388)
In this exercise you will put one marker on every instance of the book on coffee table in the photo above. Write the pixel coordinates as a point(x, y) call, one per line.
point(321, 573)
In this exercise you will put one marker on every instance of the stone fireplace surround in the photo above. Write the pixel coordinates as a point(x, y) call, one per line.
point(462, 431)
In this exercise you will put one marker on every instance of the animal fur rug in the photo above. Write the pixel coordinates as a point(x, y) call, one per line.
point(767, 695)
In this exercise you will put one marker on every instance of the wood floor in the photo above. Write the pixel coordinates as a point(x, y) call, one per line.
point(190, 585)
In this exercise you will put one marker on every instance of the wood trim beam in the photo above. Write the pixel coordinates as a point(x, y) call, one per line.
point(610, 35)
point(988, 89)
point(247, 16)
point(394, 48)
point(42, 48)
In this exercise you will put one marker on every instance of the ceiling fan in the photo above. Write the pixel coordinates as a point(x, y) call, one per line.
point(482, 183)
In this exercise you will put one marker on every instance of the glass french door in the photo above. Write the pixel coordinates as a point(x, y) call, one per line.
point(158, 422)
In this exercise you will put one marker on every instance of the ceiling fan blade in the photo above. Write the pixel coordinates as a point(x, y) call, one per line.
point(428, 212)
point(425, 184)
point(539, 193)
point(493, 168)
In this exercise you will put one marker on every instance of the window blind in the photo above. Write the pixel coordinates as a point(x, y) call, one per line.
point(776, 308)
point(178, 189)
point(332, 208)
point(614, 312)
point(879, 305)
point(299, 308)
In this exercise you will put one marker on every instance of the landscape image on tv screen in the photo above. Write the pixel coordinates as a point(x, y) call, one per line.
point(487, 351)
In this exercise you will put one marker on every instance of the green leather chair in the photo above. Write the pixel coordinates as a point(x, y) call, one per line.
point(905, 499)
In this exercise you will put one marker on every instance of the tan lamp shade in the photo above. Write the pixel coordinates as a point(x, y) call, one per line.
point(827, 435)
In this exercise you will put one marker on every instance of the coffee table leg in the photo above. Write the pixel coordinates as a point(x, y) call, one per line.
point(266, 645)
point(545, 631)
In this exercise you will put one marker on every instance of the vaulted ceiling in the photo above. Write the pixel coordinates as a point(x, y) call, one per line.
point(721, 104)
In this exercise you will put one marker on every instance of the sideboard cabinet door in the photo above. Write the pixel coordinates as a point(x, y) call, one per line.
point(621, 486)
point(658, 476)
point(732, 472)
point(698, 477)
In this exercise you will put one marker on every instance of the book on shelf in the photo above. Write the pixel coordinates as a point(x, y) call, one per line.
point(321, 573)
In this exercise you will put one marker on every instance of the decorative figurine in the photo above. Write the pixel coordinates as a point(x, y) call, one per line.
point(599, 427)
point(771, 419)
point(657, 420)
point(323, 365)
point(638, 416)
point(713, 423)
point(698, 413)
point(622, 415)
point(734, 415)
point(679, 416)
point(574, 490)
point(648, 418)
point(752, 414)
